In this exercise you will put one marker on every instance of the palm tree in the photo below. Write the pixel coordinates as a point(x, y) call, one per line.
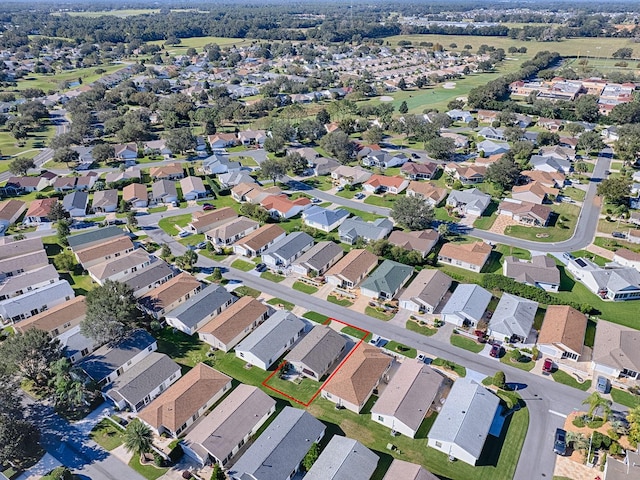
point(596, 401)
point(138, 438)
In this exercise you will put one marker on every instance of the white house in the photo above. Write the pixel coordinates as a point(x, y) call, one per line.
point(615, 351)
point(324, 219)
point(467, 305)
point(283, 253)
point(33, 302)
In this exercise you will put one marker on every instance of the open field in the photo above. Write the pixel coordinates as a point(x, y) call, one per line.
point(199, 42)
point(8, 145)
point(53, 80)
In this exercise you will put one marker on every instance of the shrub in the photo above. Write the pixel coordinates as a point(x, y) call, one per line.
point(158, 461)
point(176, 451)
point(595, 423)
point(579, 422)
point(615, 449)
point(499, 379)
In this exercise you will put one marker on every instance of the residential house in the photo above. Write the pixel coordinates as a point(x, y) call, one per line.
point(355, 228)
point(426, 291)
point(75, 203)
point(407, 471)
point(627, 258)
point(558, 152)
point(164, 191)
point(466, 174)
point(469, 202)
point(64, 184)
point(203, 221)
point(180, 405)
point(324, 219)
point(283, 253)
point(384, 160)
point(16, 285)
point(127, 151)
point(26, 184)
point(550, 164)
point(550, 124)
point(527, 213)
point(219, 164)
point(491, 133)
point(232, 231)
point(533, 192)
point(136, 194)
point(324, 166)
point(489, 147)
point(513, 318)
point(231, 179)
point(260, 240)
point(195, 312)
point(467, 305)
point(540, 272)
point(266, 344)
point(143, 382)
point(157, 273)
point(19, 256)
point(39, 211)
point(236, 322)
point(279, 451)
point(464, 422)
point(86, 181)
point(80, 241)
point(460, 115)
point(345, 175)
point(222, 140)
point(220, 435)
point(615, 351)
point(384, 184)
point(252, 192)
point(56, 320)
point(386, 280)
point(433, 194)
point(252, 137)
point(617, 284)
point(157, 147)
point(419, 171)
point(280, 206)
point(344, 459)
point(633, 235)
point(172, 171)
point(562, 333)
point(421, 241)
point(353, 383)
point(113, 359)
point(625, 469)
point(470, 256)
point(32, 302)
point(318, 353)
point(129, 174)
point(349, 271)
point(459, 140)
point(117, 268)
point(192, 188)
point(318, 259)
point(548, 179)
point(487, 116)
point(408, 398)
point(111, 248)
point(10, 211)
point(168, 296)
point(105, 201)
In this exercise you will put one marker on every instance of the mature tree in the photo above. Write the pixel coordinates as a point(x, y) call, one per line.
point(403, 108)
point(103, 152)
point(187, 260)
point(633, 417)
point(296, 163)
point(455, 104)
point(61, 473)
point(504, 173)
point(132, 220)
point(273, 169)
point(402, 85)
point(138, 438)
point(180, 140)
point(339, 145)
point(111, 309)
point(165, 251)
point(590, 142)
point(595, 402)
point(625, 113)
point(444, 229)
point(311, 457)
point(586, 108)
point(57, 212)
point(20, 166)
point(274, 144)
point(216, 276)
point(625, 52)
point(29, 355)
point(65, 261)
point(18, 440)
point(414, 213)
point(323, 116)
point(373, 134)
point(522, 150)
point(63, 229)
point(548, 138)
point(499, 379)
point(574, 128)
point(615, 190)
point(628, 144)
point(256, 212)
point(441, 148)
point(68, 390)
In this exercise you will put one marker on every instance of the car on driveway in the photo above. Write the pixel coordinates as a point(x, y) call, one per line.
point(603, 385)
point(315, 200)
point(415, 155)
point(560, 442)
point(208, 207)
point(567, 255)
point(261, 267)
point(618, 235)
point(495, 351)
point(202, 245)
point(184, 234)
point(359, 196)
point(547, 366)
point(339, 189)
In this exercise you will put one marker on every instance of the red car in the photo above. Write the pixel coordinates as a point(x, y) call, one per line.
point(547, 366)
point(495, 351)
point(208, 207)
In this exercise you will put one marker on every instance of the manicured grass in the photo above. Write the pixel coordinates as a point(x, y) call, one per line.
point(278, 301)
point(246, 161)
point(150, 472)
point(597, 259)
point(183, 349)
point(372, 312)
point(244, 291)
point(606, 226)
point(302, 390)
point(272, 277)
point(549, 234)
point(354, 332)
point(625, 398)
point(386, 201)
point(575, 193)
point(366, 216)
point(315, 317)
point(321, 183)
point(169, 224)
point(343, 302)
point(36, 139)
point(421, 329)
point(512, 359)
point(304, 288)
point(51, 81)
point(192, 239)
point(107, 435)
point(614, 244)
point(466, 343)
point(507, 250)
point(242, 265)
point(157, 209)
point(397, 347)
point(565, 378)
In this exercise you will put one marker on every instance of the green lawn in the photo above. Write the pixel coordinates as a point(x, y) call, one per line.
point(36, 139)
point(272, 277)
point(315, 317)
point(549, 234)
point(343, 302)
point(354, 332)
point(366, 216)
point(244, 290)
point(304, 287)
point(511, 359)
point(192, 239)
point(397, 347)
point(157, 209)
point(565, 378)
point(575, 193)
point(513, 251)
point(597, 259)
point(107, 435)
point(625, 398)
point(169, 224)
point(466, 343)
point(278, 301)
point(422, 329)
point(150, 472)
point(242, 265)
point(372, 312)
point(302, 390)
point(386, 201)
point(183, 349)
point(321, 183)
point(614, 244)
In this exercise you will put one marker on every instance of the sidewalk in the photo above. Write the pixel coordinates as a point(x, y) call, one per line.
point(40, 469)
point(87, 423)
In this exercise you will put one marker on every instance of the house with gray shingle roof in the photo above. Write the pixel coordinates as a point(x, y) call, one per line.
point(75, 203)
point(469, 202)
point(343, 459)
point(385, 281)
point(540, 272)
point(147, 379)
point(93, 237)
point(33, 302)
point(279, 451)
point(199, 309)
point(408, 471)
point(615, 283)
point(550, 164)
point(464, 422)
point(426, 291)
point(318, 352)
point(284, 252)
point(354, 228)
point(318, 259)
point(466, 306)
point(157, 273)
point(513, 318)
point(164, 191)
point(266, 344)
point(105, 201)
point(324, 219)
